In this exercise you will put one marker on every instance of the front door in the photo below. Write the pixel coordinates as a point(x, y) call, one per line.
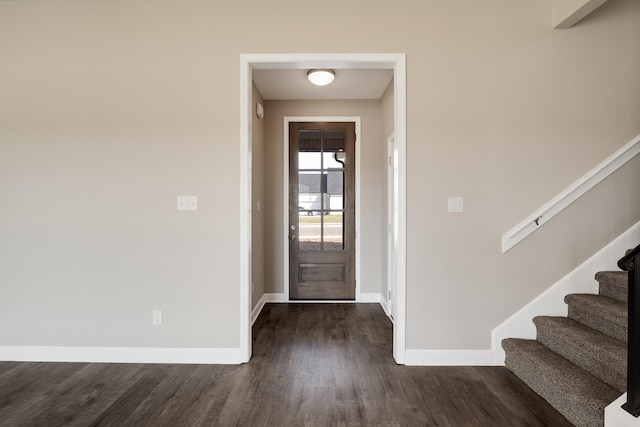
point(322, 211)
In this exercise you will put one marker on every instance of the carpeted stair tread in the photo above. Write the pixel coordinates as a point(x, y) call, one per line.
point(613, 284)
point(604, 357)
point(603, 314)
point(575, 393)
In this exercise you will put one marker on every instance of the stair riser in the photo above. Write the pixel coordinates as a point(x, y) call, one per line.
point(607, 368)
point(613, 284)
point(614, 292)
point(554, 393)
point(607, 327)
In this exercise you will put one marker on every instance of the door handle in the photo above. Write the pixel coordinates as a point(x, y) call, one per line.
point(293, 237)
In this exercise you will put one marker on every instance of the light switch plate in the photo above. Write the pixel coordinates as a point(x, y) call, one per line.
point(456, 204)
point(187, 203)
point(157, 317)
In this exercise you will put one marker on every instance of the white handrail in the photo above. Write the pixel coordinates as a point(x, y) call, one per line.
point(570, 194)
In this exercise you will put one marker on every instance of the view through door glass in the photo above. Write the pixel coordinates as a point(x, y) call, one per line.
point(322, 211)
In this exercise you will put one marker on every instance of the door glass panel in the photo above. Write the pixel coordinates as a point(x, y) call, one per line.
point(309, 160)
point(334, 190)
point(310, 150)
point(333, 140)
point(333, 145)
point(321, 162)
point(309, 208)
point(309, 139)
point(309, 230)
point(333, 231)
point(310, 182)
point(333, 160)
point(309, 190)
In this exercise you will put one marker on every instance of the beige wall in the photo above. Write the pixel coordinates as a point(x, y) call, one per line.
point(109, 109)
point(258, 200)
point(372, 185)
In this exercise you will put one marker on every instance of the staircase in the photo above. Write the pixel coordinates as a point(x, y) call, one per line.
point(578, 363)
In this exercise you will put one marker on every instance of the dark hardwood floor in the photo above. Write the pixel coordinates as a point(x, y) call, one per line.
point(312, 365)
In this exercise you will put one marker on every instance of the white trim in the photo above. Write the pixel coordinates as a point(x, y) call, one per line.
point(392, 227)
point(303, 61)
point(400, 138)
point(395, 61)
point(415, 357)
point(285, 207)
point(570, 194)
point(390, 224)
point(279, 297)
point(121, 354)
point(566, 14)
point(257, 309)
point(266, 298)
point(551, 301)
point(285, 189)
point(615, 416)
point(245, 209)
point(369, 297)
point(384, 303)
point(358, 176)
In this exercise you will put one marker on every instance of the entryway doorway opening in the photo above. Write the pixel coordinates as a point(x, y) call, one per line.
point(395, 62)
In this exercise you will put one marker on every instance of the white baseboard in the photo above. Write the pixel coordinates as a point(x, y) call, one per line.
point(273, 298)
point(615, 416)
point(551, 301)
point(369, 297)
point(260, 305)
point(415, 357)
point(223, 356)
point(257, 310)
point(385, 306)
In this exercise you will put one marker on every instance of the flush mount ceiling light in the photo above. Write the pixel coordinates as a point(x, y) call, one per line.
point(321, 77)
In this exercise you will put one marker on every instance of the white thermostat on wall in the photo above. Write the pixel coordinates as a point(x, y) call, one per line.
point(259, 110)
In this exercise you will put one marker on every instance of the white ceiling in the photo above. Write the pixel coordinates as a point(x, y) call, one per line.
point(275, 84)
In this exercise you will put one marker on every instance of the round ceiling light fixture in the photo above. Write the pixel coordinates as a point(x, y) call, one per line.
point(321, 77)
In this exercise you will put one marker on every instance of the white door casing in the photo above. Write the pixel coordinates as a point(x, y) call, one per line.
point(392, 226)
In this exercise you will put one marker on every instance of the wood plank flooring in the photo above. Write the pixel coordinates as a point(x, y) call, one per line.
point(312, 365)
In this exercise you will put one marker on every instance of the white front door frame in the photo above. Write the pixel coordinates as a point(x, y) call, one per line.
point(248, 62)
point(392, 260)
